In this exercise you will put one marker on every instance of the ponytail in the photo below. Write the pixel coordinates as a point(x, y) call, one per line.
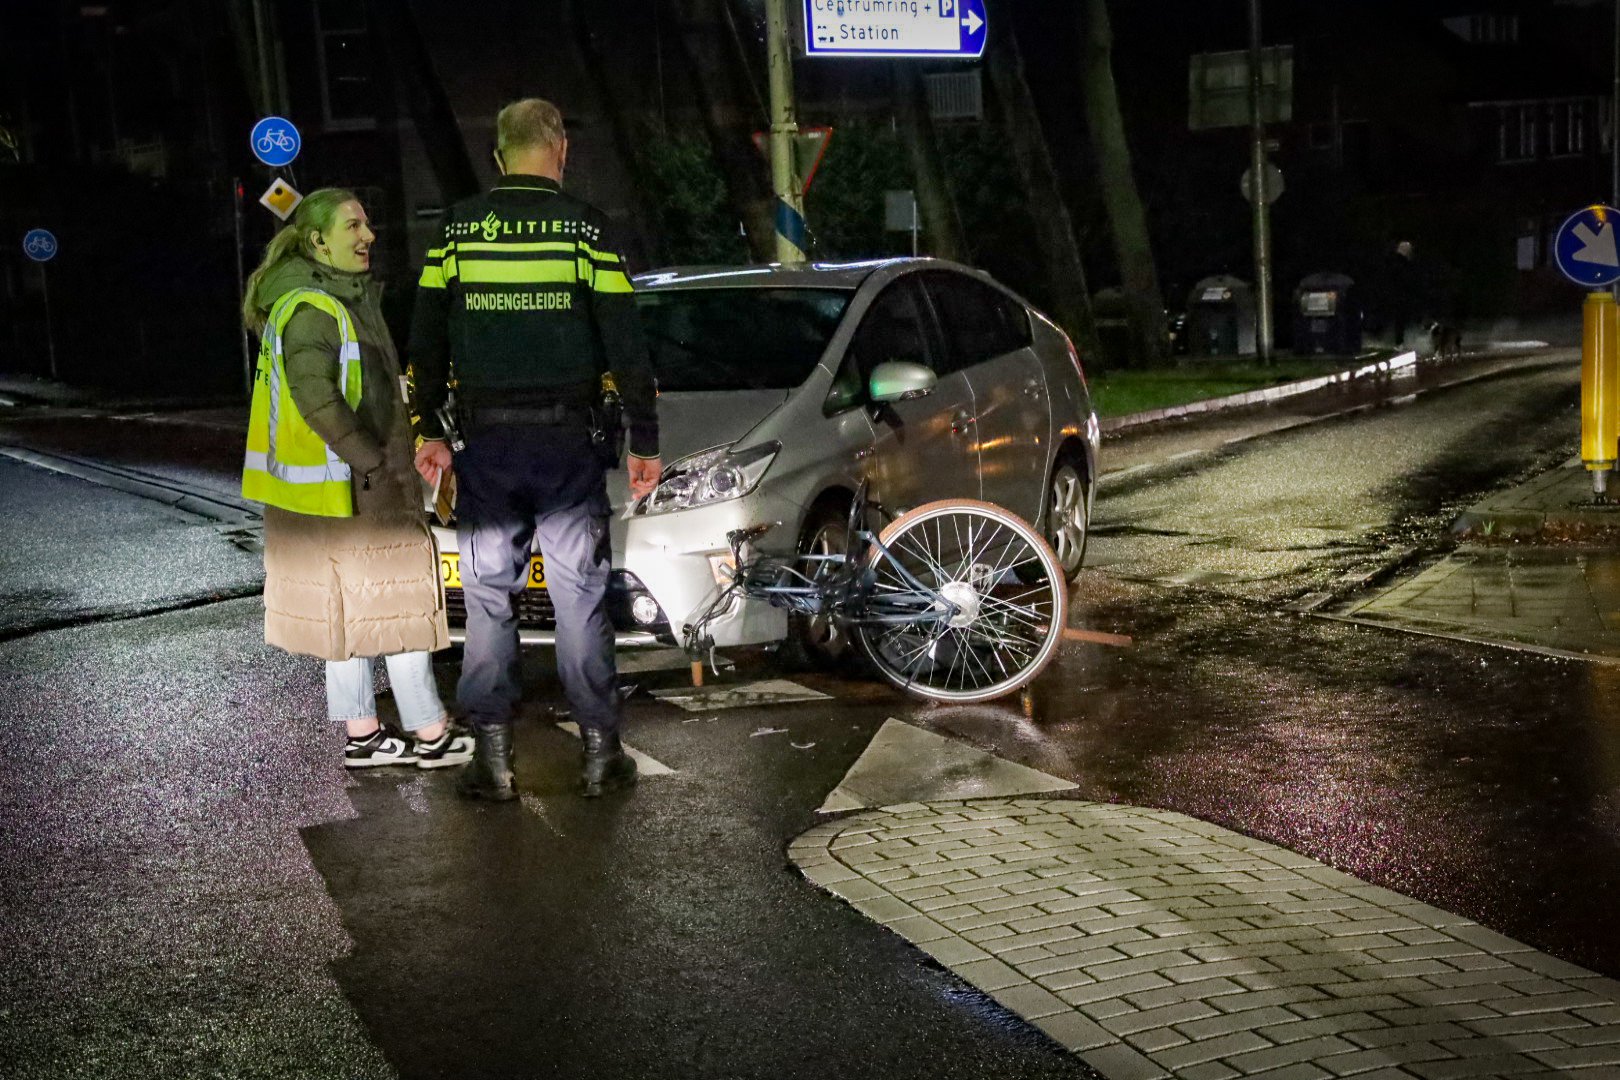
point(314, 214)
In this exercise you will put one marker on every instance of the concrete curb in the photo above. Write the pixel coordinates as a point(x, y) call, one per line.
point(1380, 369)
point(236, 513)
point(1266, 396)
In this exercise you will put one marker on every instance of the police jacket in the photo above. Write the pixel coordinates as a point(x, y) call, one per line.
point(527, 301)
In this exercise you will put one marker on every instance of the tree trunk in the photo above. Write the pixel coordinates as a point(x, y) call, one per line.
point(941, 226)
point(1127, 223)
point(610, 103)
point(247, 54)
point(425, 99)
point(722, 93)
point(1054, 229)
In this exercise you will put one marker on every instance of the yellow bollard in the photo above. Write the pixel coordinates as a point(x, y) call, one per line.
point(1600, 387)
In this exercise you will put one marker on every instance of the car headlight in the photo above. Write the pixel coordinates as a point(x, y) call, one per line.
point(710, 476)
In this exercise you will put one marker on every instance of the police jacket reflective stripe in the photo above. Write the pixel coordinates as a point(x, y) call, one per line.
point(527, 298)
point(287, 464)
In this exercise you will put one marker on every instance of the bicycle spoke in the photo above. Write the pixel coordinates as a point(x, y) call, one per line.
point(1027, 616)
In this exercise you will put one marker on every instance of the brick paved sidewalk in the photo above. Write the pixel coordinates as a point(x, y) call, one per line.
point(1156, 945)
point(1555, 588)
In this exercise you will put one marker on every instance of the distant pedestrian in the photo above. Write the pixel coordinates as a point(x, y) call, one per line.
point(1403, 292)
point(350, 567)
point(528, 299)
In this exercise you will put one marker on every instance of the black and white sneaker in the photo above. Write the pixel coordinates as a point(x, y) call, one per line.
point(378, 748)
point(454, 747)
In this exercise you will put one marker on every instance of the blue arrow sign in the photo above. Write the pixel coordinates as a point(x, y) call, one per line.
point(1585, 247)
point(40, 245)
point(275, 141)
point(920, 28)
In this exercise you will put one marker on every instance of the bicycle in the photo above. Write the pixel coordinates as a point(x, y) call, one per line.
point(955, 601)
point(275, 139)
point(39, 245)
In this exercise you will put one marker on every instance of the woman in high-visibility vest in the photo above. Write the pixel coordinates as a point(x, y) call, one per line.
point(351, 571)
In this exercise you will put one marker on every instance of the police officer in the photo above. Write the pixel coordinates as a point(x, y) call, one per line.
point(528, 302)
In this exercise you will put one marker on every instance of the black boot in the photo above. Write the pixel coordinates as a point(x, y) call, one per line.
point(607, 766)
point(489, 774)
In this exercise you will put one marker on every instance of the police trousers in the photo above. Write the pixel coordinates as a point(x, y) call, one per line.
point(516, 482)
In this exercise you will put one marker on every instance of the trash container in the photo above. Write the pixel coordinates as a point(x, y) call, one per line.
point(1327, 316)
point(1220, 317)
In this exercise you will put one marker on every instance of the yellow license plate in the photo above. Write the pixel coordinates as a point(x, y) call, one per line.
point(450, 571)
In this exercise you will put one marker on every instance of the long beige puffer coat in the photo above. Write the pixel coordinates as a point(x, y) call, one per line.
point(366, 585)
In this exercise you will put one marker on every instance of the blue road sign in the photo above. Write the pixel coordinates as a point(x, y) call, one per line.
point(920, 28)
point(40, 245)
point(1585, 247)
point(275, 141)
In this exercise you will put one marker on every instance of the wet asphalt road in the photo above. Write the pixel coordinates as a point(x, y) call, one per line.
point(192, 886)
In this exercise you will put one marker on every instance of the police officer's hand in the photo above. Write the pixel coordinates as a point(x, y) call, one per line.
point(433, 460)
point(644, 474)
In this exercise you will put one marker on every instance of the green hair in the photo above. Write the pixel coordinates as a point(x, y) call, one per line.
point(316, 213)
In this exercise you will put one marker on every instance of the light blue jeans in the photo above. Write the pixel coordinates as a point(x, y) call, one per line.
point(351, 696)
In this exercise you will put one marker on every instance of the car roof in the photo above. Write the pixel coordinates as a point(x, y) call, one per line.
point(819, 275)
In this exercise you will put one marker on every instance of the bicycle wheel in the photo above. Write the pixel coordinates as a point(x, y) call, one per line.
point(1007, 587)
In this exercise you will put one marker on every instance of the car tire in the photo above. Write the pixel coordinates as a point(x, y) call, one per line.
point(817, 643)
point(1066, 527)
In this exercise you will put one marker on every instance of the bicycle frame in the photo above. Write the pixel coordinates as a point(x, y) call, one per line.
point(846, 593)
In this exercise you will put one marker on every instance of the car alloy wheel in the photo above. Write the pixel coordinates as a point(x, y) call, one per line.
point(1066, 519)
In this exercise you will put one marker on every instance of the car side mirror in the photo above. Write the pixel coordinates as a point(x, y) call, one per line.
point(899, 380)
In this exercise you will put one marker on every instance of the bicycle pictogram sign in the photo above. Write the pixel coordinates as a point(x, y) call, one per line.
point(275, 141)
point(39, 245)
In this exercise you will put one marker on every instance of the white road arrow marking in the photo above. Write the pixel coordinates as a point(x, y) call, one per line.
point(1599, 247)
point(973, 22)
point(905, 764)
point(645, 765)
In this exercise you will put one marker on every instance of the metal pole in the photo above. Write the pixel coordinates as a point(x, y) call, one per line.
point(50, 329)
point(790, 228)
point(241, 289)
point(1257, 173)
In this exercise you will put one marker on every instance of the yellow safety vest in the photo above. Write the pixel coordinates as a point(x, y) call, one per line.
point(287, 464)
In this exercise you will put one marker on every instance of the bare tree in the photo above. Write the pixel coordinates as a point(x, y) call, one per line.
point(425, 99)
point(1071, 301)
point(1127, 223)
point(723, 88)
point(939, 217)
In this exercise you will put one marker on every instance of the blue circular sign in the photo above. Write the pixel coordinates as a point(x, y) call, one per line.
point(40, 245)
point(1585, 248)
point(275, 141)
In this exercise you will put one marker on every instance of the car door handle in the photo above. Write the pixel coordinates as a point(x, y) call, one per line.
point(961, 422)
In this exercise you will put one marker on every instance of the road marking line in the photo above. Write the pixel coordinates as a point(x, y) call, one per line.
point(645, 765)
point(742, 695)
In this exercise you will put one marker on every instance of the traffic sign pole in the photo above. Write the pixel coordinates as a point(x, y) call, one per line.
point(1586, 252)
point(50, 329)
point(1262, 203)
point(41, 246)
point(790, 225)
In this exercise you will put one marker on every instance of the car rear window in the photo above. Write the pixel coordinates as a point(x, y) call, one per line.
point(738, 339)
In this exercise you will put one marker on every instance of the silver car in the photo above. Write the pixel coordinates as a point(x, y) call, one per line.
point(781, 388)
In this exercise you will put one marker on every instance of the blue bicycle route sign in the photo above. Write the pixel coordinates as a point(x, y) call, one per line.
point(920, 28)
point(275, 141)
point(39, 245)
point(1585, 248)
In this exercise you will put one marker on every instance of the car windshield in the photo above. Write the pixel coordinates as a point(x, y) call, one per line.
point(738, 339)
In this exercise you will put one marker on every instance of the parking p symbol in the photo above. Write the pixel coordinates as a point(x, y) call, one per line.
point(947, 9)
